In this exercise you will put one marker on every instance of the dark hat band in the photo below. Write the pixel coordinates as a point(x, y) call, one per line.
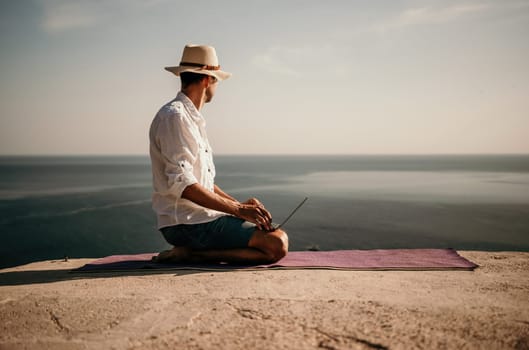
point(206, 67)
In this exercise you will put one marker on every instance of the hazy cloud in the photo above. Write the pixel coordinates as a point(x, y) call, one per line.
point(430, 15)
point(62, 15)
point(275, 60)
point(302, 60)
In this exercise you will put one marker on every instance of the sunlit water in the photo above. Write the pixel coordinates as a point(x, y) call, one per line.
point(94, 206)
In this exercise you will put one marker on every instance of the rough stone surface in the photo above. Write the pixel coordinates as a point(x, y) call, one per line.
point(42, 306)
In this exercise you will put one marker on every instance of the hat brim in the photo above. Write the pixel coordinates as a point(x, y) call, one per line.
point(219, 74)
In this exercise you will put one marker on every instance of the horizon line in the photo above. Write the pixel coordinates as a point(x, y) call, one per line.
point(267, 154)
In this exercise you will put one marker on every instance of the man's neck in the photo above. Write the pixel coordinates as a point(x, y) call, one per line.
point(197, 96)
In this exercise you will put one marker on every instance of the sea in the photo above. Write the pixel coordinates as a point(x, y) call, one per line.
point(53, 207)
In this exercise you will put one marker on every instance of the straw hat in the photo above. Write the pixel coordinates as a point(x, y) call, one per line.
point(201, 59)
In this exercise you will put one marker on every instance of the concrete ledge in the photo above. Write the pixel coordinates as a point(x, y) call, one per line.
point(43, 306)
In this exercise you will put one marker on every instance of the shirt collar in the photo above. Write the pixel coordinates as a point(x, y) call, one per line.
point(190, 106)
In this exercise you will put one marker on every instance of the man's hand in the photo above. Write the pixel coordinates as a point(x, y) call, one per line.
point(253, 210)
point(253, 201)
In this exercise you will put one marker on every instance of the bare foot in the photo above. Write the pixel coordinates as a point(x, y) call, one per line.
point(175, 255)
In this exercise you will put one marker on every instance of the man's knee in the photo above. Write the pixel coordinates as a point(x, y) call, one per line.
point(273, 244)
point(284, 240)
point(278, 245)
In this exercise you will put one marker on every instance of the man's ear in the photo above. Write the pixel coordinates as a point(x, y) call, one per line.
point(205, 81)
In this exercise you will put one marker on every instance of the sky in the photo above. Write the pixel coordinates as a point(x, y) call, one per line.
point(309, 77)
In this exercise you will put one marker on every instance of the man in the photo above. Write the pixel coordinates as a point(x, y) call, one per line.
point(199, 219)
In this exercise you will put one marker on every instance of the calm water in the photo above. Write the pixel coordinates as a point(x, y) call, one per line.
point(51, 207)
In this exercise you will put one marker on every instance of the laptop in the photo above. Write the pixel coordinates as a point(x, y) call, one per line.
point(276, 226)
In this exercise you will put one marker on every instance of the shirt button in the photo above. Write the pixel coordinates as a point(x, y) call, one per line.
point(209, 170)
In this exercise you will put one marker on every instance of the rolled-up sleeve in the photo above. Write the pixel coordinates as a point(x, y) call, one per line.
point(179, 149)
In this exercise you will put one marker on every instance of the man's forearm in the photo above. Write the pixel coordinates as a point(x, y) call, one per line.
point(253, 212)
point(198, 194)
point(224, 194)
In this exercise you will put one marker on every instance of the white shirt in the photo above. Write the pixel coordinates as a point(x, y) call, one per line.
point(180, 156)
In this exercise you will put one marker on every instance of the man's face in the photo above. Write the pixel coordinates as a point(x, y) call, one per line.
point(210, 90)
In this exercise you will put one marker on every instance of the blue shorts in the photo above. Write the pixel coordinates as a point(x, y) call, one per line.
point(226, 232)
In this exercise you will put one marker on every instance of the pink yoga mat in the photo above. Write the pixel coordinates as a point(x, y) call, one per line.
point(376, 259)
